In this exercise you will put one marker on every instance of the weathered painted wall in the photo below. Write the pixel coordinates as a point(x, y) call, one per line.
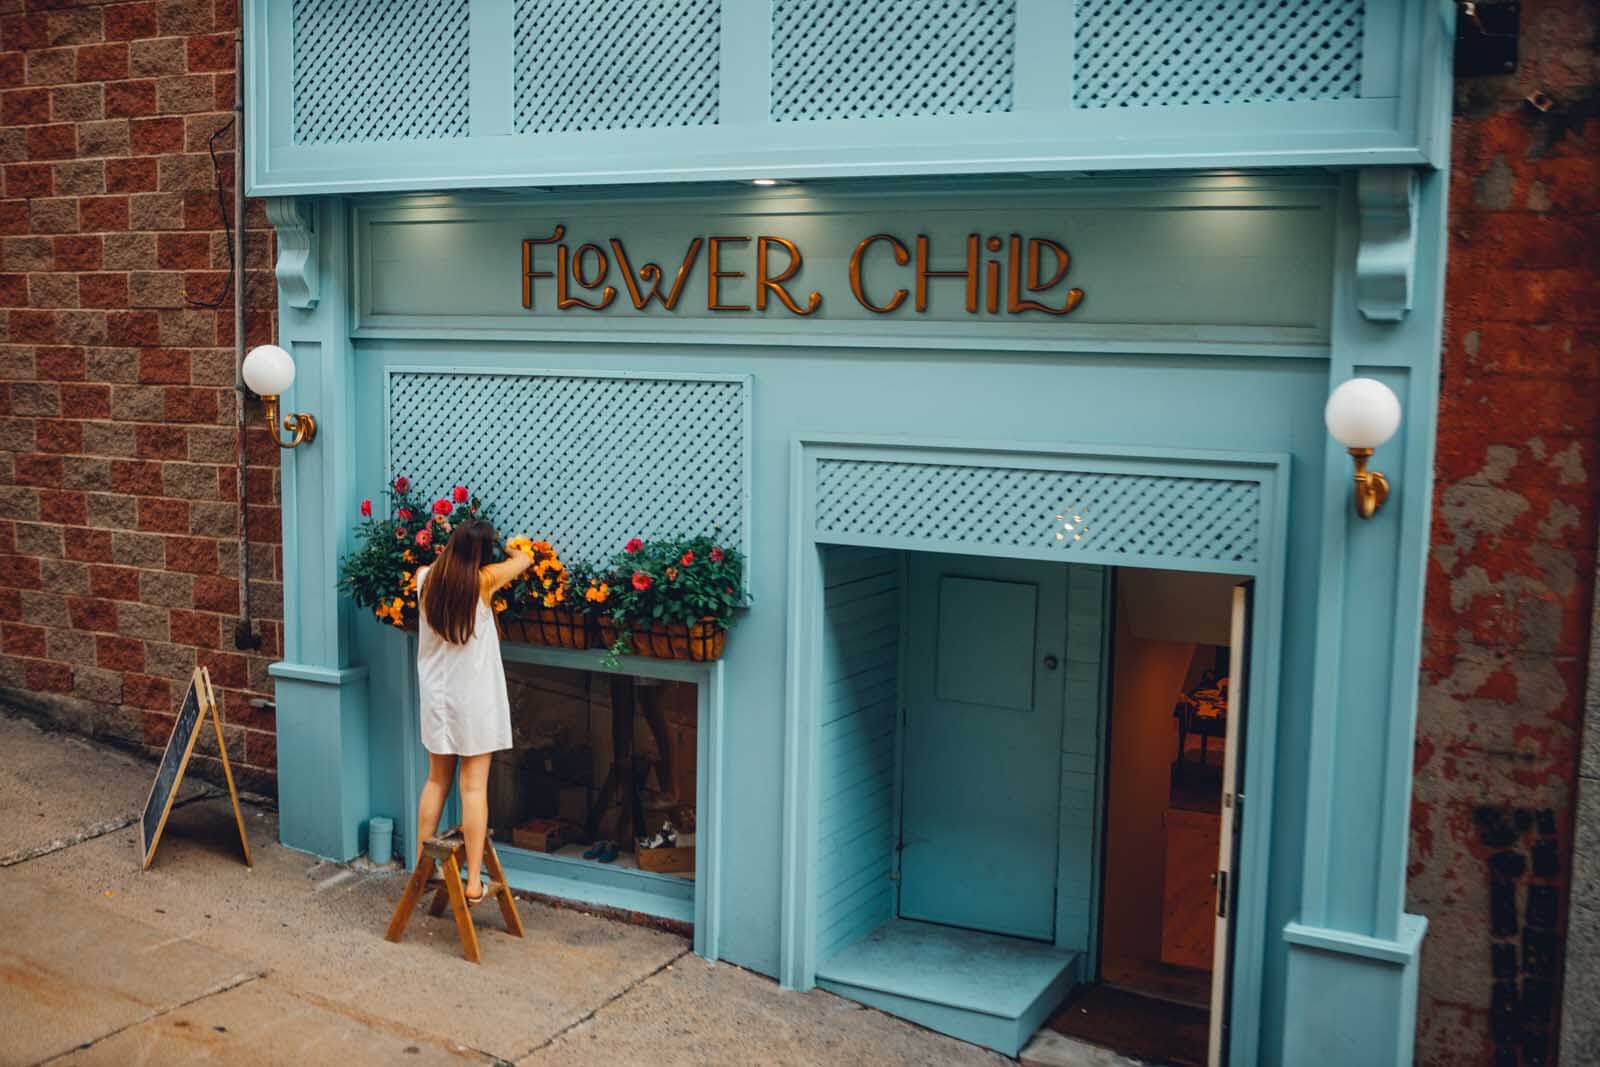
point(1514, 545)
point(119, 520)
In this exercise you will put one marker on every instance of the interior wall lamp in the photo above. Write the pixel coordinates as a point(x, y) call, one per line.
point(1362, 414)
point(269, 372)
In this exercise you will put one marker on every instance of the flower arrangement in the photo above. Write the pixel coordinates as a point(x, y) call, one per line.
point(673, 598)
point(381, 574)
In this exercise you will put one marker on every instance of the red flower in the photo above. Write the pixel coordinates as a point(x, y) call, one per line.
point(424, 537)
point(717, 555)
point(633, 546)
point(459, 494)
point(366, 509)
point(402, 484)
point(688, 558)
point(642, 581)
point(399, 534)
point(442, 507)
point(405, 515)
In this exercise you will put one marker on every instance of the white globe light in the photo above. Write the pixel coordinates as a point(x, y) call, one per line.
point(1362, 413)
point(268, 370)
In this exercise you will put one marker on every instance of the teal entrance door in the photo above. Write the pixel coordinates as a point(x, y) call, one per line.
point(980, 805)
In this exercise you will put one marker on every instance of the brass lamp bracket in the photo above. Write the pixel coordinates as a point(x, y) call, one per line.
point(301, 425)
point(1372, 488)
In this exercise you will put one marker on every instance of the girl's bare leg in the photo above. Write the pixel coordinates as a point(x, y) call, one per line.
point(441, 771)
point(475, 816)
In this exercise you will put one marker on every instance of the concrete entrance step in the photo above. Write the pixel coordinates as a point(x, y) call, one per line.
point(988, 989)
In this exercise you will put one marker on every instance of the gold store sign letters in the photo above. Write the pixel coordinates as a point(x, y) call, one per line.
point(998, 276)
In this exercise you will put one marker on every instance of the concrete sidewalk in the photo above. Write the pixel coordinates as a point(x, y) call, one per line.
point(202, 960)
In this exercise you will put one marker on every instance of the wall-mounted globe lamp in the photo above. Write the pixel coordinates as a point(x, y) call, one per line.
point(1362, 414)
point(269, 372)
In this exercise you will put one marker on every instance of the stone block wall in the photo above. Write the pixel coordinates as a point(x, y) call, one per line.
point(1511, 576)
point(119, 473)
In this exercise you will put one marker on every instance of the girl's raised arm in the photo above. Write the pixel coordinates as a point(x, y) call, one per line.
point(499, 575)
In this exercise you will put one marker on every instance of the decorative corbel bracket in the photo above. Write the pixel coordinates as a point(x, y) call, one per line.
point(294, 219)
point(1387, 257)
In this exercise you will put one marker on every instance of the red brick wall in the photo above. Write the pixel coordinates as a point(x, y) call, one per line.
point(1513, 548)
point(119, 519)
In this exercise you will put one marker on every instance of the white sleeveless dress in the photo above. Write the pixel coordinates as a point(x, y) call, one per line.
point(462, 688)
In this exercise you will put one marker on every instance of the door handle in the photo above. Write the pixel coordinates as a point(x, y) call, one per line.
point(1051, 663)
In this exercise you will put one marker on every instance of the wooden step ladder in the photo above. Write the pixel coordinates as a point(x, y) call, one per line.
point(449, 854)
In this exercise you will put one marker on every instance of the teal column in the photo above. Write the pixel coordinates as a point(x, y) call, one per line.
point(323, 769)
point(1351, 988)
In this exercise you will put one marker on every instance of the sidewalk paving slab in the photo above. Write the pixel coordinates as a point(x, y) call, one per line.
point(318, 928)
point(57, 789)
point(72, 972)
point(579, 988)
point(262, 1024)
point(698, 1013)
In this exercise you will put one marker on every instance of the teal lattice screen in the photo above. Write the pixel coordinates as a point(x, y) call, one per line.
point(588, 461)
point(1151, 53)
point(1188, 520)
point(859, 59)
point(603, 65)
point(379, 70)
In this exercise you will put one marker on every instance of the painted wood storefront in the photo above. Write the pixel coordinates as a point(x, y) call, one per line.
point(1029, 260)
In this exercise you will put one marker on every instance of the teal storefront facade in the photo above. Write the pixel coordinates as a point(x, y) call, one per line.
point(1039, 298)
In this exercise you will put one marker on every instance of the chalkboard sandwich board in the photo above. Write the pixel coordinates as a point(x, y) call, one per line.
point(199, 704)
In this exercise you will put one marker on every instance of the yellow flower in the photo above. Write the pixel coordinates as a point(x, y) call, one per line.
point(408, 557)
point(499, 605)
point(597, 594)
point(551, 599)
point(672, 574)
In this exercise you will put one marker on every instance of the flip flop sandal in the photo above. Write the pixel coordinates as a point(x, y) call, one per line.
point(474, 901)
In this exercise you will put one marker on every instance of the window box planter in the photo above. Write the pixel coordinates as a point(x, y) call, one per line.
point(702, 642)
point(554, 627)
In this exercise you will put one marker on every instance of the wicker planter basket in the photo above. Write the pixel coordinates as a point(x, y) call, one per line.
point(701, 642)
point(555, 627)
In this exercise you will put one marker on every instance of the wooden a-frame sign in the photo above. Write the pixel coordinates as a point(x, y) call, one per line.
point(199, 703)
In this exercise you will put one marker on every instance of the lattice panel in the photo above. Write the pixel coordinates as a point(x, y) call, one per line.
point(873, 59)
point(379, 70)
point(617, 64)
point(586, 461)
point(1153, 53)
point(1197, 520)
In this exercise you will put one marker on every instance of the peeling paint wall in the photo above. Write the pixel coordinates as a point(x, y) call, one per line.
point(1511, 576)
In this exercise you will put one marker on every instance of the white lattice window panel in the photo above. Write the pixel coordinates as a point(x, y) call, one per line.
point(617, 64)
point(379, 70)
point(1152, 53)
point(1192, 520)
point(587, 462)
point(868, 59)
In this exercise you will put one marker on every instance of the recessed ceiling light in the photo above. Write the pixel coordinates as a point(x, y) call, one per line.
point(764, 181)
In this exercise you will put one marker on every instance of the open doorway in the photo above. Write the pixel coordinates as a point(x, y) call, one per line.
point(1175, 650)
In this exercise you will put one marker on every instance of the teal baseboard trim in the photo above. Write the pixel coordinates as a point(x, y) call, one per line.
point(642, 892)
point(1402, 950)
point(1350, 998)
point(307, 672)
point(324, 776)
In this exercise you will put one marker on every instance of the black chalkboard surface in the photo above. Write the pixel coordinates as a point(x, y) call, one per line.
point(198, 705)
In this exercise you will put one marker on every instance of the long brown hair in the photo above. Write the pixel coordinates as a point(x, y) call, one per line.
point(450, 594)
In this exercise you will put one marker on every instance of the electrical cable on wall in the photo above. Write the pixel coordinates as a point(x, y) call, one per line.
point(244, 634)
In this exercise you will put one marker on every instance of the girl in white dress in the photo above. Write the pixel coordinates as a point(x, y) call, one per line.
point(462, 683)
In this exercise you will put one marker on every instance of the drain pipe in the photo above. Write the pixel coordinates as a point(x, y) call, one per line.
point(244, 634)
